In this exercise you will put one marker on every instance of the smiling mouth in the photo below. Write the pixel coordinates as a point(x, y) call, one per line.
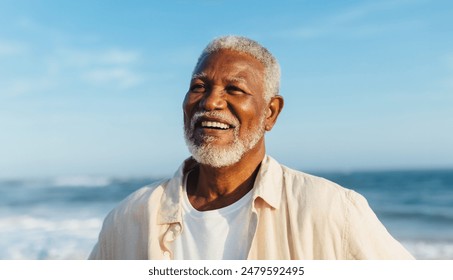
point(215, 125)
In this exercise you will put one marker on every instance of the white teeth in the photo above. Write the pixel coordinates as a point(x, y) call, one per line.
point(214, 125)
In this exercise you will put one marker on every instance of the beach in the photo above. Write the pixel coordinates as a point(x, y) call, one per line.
point(60, 218)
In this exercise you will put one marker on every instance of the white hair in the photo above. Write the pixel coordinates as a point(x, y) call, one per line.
point(254, 49)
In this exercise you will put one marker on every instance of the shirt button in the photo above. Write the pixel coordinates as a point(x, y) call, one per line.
point(178, 227)
point(166, 254)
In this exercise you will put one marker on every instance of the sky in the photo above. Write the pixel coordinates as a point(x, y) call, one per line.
point(96, 87)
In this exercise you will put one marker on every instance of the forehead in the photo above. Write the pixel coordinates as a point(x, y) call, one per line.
point(229, 64)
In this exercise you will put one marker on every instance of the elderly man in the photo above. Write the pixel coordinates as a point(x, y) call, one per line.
point(232, 201)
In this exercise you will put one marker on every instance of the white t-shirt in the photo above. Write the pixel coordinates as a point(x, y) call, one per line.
point(215, 234)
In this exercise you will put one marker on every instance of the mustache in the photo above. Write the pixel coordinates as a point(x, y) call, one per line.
point(220, 116)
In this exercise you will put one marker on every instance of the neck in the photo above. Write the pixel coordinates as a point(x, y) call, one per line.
point(211, 188)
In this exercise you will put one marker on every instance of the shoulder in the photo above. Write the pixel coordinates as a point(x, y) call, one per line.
point(319, 196)
point(340, 214)
point(303, 184)
point(127, 224)
point(137, 203)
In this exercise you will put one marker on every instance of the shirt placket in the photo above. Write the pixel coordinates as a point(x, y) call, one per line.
point(170, 236)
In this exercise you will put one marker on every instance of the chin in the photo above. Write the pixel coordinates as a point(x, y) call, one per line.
point(209, 151)
point(216, 157)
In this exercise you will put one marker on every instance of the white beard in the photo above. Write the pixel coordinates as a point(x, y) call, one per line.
point(221, 156)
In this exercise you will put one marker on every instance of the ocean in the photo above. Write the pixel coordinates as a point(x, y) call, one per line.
point(60, 218)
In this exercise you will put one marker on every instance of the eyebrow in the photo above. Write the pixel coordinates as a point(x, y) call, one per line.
point(200, 75)
point(235, 80)
point(203, 75)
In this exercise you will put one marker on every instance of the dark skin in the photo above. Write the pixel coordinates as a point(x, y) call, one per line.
point(231, 82)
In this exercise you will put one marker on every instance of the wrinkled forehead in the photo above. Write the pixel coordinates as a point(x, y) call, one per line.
point(231, 61)
point(202, 76)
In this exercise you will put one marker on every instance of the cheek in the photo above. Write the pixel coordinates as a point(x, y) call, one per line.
point(185, 101)
point(190, 102)
point(251, 114)
point(186, 108)
point(187, 105)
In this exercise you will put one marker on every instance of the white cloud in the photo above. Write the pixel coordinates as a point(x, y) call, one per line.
point(31, 77)
point(8, 48)
point(27, 85)
point(116, 56)
point(53, 63)
point(89, 58)
point(108, 67)
point(72, 68)
point(356, 20)
point(122, 77)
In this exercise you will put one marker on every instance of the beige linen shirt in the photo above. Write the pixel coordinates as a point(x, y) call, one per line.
point(295, 216)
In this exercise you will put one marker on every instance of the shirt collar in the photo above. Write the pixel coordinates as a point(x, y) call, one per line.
point(170, 210)
point(268, 182)
point(268, 186)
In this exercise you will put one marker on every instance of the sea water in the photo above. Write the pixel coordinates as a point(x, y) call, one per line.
point(60, 218)
point(415, 206)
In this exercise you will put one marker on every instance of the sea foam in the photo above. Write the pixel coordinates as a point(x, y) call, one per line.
point(430, 250)
point(28, 237)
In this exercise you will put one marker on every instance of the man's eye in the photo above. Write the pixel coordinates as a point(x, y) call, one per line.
point(198, 88)
point(234, 90)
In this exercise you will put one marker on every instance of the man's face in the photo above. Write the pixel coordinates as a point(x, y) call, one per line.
point(224, 108)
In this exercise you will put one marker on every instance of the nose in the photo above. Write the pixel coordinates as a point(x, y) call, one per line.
point(214, 100)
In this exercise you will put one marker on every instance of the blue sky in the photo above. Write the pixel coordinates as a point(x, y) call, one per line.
point(95, 87)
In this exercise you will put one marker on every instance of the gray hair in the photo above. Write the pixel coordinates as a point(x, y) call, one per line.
point(254, 49)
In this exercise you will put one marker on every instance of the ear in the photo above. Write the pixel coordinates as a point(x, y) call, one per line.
point(273, 109)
